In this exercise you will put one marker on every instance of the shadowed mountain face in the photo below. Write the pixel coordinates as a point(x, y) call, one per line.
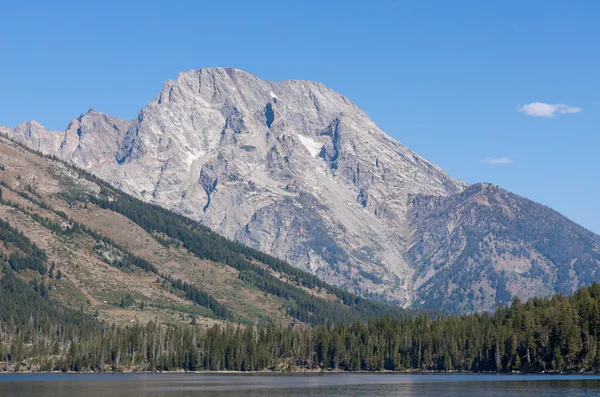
point(479, 248)
point(298, 171)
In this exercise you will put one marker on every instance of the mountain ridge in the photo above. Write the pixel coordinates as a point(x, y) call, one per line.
point(299, 171)
point(487, 239)
point(204, 147)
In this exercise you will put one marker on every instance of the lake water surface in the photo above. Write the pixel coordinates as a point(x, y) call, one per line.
point(313, 385)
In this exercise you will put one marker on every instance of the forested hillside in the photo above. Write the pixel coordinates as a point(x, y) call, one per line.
point(107, 254)
point(92, 279)
point(558, 334)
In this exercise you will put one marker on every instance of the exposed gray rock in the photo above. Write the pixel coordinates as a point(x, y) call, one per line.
point(90, 141)
point(291, 168)
point(477, 249)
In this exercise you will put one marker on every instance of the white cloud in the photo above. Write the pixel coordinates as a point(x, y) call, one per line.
point(541, 109)
point(499, 160)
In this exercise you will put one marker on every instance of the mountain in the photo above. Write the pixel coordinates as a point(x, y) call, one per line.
point(96, 250)
point(477, 249)
point(290, 168)
point(298, 171)
point(90, 140)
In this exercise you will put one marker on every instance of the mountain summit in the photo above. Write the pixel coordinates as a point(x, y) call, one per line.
point(290, 168)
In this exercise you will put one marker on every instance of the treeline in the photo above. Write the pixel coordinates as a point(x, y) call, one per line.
point(129, 261)
point(550, 334)
point(35, 258)
point(27, 256)
point(206, 244)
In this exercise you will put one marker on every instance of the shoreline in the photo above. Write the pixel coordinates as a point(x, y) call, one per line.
point(301, 372)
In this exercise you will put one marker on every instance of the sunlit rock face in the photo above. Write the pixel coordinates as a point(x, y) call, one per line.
point(291, 168)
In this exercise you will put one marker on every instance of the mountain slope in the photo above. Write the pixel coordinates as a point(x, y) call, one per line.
point(290, 168)
point(477, 249)
point(298, 171)
point(105, 253)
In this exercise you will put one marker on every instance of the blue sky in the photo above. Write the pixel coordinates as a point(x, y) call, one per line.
point(445, 78)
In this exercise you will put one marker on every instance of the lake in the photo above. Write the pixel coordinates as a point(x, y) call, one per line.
point(305, 385)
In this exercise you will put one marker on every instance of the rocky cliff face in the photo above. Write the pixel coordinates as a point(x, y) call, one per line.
point(89, 141)
point(291, 168)
point(298, 171)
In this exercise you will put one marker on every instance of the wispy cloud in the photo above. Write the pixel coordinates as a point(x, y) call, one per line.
point(499, 160)
point(541, 109)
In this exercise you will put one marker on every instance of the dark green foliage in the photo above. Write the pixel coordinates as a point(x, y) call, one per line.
point(173, 229)
point(24, 306)
point(37, 201)
point(198, 296)
point(68, 228)
point(131, 262)
point(126, 301)
point(28, 255)
point(206, 244)
point(557, 334)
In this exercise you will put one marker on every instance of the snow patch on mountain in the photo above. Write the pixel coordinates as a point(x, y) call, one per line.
point(311, 145)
